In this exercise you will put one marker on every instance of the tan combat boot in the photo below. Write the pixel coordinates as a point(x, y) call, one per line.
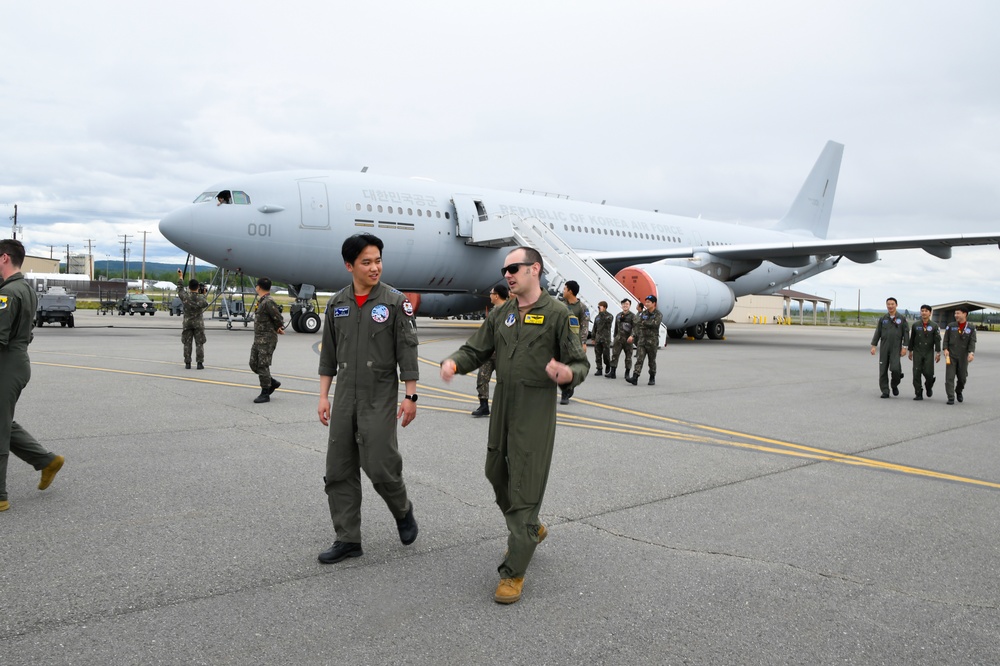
point(509, 590)
point(49, 473)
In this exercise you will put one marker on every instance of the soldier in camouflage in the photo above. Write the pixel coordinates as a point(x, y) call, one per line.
point(602, 338)
point(267, 326)
point(648, 341)
point(193, 329)
point(498, 296)
point(624, 323)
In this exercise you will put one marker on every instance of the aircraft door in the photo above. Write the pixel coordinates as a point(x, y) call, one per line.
point(315, 205)
point(468, 211)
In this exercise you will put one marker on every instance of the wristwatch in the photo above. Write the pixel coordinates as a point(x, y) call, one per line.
point(411, 398)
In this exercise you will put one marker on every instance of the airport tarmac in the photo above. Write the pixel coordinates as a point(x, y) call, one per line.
point(759, 505)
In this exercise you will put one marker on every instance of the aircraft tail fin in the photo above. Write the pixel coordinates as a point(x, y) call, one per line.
point(812, 207)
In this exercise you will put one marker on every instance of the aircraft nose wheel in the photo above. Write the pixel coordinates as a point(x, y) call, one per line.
point(309, 322)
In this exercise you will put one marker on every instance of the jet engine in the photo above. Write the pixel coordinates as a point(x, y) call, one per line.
point(691, 302)
point(447, 305)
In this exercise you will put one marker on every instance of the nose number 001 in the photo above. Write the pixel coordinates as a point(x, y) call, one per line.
point(258, 229)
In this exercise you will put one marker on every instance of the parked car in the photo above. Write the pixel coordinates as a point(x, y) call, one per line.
point(133, 303)
point(56, 305)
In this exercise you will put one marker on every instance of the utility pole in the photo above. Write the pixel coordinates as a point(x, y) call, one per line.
point(144, 234)
point(90, 258)
point(16, 228)
point(124, 257)
point(67, 258)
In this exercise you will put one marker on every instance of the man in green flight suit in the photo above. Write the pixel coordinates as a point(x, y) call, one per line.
point(576, 308)
point(193, 330)
point(893, 332)
point(648, 330)
point(538, 349)
point(925, 351)
point(369, 332)
point(959, 351)
point(17, 317)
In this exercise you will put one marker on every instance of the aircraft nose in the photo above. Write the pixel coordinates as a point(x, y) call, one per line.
point(176, 227)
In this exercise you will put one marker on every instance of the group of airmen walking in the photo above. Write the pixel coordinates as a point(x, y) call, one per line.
point(923, 344)
point(534, 343)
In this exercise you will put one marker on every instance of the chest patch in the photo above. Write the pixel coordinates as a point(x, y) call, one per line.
point(342, 312)
point(380, 314)
point(535, 319)
point(509, 321)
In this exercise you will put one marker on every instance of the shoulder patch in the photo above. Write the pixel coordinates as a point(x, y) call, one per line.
point(408, 308)
point(3, 302)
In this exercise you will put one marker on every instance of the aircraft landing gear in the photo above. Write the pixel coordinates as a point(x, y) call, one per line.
point(716, 329)
point(305, 319)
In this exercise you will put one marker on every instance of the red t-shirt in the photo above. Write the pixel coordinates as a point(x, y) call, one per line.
point(361, 299)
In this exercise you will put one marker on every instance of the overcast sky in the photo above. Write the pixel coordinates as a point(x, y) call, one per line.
point(115, 113)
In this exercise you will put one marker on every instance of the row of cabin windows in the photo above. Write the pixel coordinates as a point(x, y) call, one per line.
point(618, 232)
point(398, 210)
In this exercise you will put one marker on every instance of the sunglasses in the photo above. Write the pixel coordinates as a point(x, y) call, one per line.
point(515, 267)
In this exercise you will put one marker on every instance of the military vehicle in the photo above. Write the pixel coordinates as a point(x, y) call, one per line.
point(56, 305)
point(133, 303)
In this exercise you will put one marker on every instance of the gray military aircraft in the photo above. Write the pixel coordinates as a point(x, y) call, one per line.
point(447, 242)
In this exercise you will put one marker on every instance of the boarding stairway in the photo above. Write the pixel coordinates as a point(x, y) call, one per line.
point(562, 263)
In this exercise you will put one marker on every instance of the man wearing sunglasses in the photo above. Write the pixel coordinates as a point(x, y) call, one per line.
point(538, 349)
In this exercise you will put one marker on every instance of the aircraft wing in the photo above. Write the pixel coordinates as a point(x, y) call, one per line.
point(798, 252)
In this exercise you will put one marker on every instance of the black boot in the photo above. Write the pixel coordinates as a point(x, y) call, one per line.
point(274, 386)
point(187, 365)
point(930, 387)
point(484, 408)
point(263, 397)
point(919, 396)
point(201, 366)
point(610, 373)
point(633, 380)
point(599, 372)
point(652, 379)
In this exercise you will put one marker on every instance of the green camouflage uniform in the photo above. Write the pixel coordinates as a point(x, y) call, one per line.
point(17, 319)
point(624, 325)
point(266, 323)
point(602, 339)
point(959, 344)
point(580, 313)
point(362, 347)
point(647, 340)
point(925, 341)
point(523, 422)
point(892, 332)
point(193, 329)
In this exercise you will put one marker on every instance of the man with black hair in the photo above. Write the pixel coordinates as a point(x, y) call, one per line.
point(891, 336)
point(193, 329)
point(498, 296)
point(570, 291)
point(624, 323)
point(17, 319)
point(959, 351)
point(369, 333)
point(925, 351)
point(647, 340)
point(268, 324)
point(602, 338)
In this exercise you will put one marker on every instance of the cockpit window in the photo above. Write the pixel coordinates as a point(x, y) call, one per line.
point(206, 196)
point(224, 197)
